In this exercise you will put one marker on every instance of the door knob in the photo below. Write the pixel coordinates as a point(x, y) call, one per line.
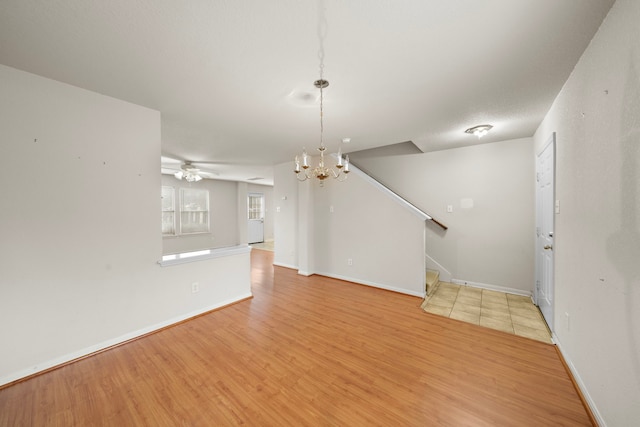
point(547, 247)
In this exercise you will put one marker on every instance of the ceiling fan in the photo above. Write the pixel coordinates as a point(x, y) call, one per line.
point(184, 169)
point(188, 172)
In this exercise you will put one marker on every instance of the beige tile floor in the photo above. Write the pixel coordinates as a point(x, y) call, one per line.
point(266, 245)
point(510, 313)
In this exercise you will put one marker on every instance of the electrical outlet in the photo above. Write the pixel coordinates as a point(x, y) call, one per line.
point(195, 287)
point(349, 261)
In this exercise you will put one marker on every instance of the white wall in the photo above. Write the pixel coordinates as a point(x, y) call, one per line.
point(491, 189)
point(318, 229)
point(385, 241)
point(80, 223)
point(223, 217)
point(285, 225)
point(597, 242)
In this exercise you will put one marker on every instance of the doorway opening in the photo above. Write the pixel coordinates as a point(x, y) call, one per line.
point(255, 215)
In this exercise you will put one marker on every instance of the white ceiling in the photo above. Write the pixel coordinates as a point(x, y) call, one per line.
point(233, 79)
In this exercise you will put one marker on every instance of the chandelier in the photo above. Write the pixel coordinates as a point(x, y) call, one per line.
point(303, 169)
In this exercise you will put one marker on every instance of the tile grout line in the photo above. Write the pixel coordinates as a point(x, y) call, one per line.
point(513, 329)
point(510, 315)
point(511, 304)
point(454, 301)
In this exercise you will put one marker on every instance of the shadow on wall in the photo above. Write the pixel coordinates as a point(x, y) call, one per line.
point(623, 247)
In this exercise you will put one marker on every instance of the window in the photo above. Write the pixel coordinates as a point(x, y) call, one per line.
point(168, 211)
point(194, 211)
point(255, 205)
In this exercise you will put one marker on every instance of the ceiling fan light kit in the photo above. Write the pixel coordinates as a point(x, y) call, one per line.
point(188, 172)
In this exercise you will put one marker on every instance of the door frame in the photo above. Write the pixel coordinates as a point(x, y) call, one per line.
point(548, 209)
point(260, 220)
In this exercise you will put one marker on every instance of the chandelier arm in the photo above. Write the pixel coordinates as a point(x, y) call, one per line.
point(342, 177)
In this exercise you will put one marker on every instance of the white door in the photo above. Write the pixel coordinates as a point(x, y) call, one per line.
point(545, 208)
point(255, 214)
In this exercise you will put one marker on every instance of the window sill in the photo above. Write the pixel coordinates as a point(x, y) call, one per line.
point(186, 257)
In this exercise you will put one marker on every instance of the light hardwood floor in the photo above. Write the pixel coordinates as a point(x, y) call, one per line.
point(308, 351)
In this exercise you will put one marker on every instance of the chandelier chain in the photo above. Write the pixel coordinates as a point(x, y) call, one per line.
point(322, 32)
point(321, 112)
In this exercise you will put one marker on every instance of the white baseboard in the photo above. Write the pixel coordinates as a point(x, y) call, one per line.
point(421, 294)
point(282, 264)
point(115, 341)
point(491, 287)
point(305, 273)
point(580, 383)
point(350, 279)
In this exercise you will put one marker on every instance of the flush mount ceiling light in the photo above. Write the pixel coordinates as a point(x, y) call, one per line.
point(303, 169)
point(480, 130)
